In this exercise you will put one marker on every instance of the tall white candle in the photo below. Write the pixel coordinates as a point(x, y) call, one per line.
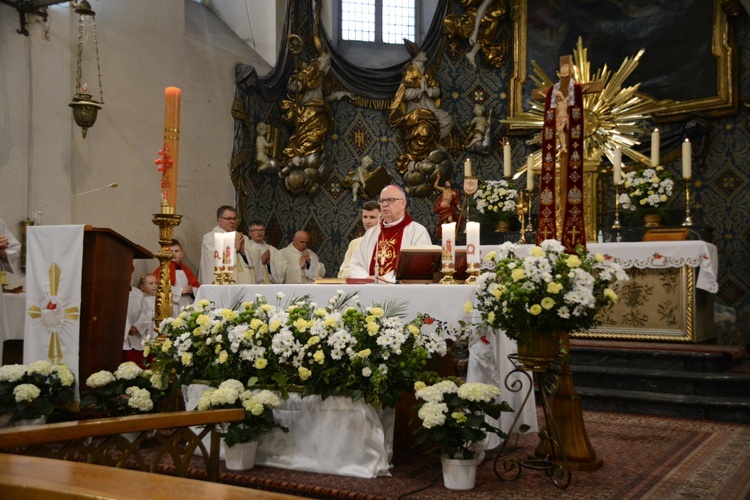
point(218, 249)
point(617, 166)
point(687, 159)
point(530, 173)
point(506, 159)
point(229, 246)
point(472, 242)
point(655, 147)
point(467, 167)
point(449, 243)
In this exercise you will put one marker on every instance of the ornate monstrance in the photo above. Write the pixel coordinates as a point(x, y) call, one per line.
point(612, 117)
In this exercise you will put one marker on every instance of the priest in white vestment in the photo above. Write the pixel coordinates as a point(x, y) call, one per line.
point(10, 249)
point(380, 246)
point(244, 268)
point(271, 265)
point(370, 217)
point(304, 266)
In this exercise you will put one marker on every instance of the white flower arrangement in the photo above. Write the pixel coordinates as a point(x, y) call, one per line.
point(547, 290)
point(34, 390)
point(454, 417)
point(496, 199)
point(258, 408)
point(364, 352)
point(647, 189)
point(128, 390)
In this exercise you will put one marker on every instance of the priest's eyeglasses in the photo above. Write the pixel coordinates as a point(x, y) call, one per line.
point(229, 218)
point(388, 201)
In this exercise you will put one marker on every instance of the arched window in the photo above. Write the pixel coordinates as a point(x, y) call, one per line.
point(378, 21)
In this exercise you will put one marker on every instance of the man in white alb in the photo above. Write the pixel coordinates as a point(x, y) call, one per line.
point(271, 266)
point(381, 244)
point(304, 264)
point(370, 216)
point(226, 222)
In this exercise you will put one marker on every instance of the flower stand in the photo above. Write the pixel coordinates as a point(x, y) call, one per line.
point(241, 456)
point(459, 474)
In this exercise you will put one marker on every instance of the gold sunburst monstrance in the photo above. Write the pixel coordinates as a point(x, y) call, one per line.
point(611, 115)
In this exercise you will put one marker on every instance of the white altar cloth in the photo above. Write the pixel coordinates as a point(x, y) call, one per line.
point(659, 254)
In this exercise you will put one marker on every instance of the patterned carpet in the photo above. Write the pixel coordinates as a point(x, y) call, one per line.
point(644, 457)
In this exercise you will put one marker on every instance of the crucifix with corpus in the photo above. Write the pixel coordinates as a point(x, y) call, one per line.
point(564, 124)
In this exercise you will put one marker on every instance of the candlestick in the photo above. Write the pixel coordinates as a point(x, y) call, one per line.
point(655, 147)
point(617, 166)
point(467, 167)
point(688, 219)
point(449, 253)
point(521, 208)
point(687, 159)
point(530, 173)
point(171, 144)
point(506, 159)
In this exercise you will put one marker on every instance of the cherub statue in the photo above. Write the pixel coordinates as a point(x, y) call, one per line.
point(262, 146)
point(359, 178)
point(478, 131)
point(480, 26)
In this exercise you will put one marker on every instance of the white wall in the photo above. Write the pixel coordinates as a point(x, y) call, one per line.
point(143, 49)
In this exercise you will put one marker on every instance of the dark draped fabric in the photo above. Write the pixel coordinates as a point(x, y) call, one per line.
point(364, 82)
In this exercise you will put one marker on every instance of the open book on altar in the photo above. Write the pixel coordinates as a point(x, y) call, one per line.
point(418, 264)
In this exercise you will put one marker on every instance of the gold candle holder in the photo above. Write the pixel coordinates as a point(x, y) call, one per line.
point(448, 279)
point(688, 219)
point(616, 224)
point(472, 268)
point(163, 303)
point(521, 208)
point(224, 275)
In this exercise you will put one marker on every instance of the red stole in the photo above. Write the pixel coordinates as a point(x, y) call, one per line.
point(192, 280)
point(388, 245)
point(573, 227)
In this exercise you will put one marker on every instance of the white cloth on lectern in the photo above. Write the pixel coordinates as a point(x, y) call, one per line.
point(294, 274)
point(54, 269)
point(415, 235)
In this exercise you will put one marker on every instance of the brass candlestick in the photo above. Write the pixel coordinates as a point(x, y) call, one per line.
point(163, 302)
point(521, 208)
point(616, 224)
point(224, 275)
point(472, 268)
point(688, 220)
point(529, 203)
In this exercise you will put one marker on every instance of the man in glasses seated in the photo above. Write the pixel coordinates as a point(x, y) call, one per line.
point(377, 253)
point(226, 222)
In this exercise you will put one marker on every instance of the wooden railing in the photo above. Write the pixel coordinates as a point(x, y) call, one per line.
point(164, 441)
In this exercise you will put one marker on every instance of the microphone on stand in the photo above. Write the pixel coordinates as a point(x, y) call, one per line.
point(38, 215)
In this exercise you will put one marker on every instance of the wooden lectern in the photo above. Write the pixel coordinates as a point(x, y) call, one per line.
point(105, 286)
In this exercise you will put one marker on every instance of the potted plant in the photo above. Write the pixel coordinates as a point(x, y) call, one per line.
point(30, 393)
point(241, 438)
point(647, 192)
point(129, 390)
point(547, 291)
point(496, 203)
point(454, 418)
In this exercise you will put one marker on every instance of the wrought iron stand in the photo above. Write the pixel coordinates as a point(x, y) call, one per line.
point(555, 465)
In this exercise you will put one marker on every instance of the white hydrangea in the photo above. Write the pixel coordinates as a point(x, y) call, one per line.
point(140, 399)
point(66, 376)
point(128, 371)
point(26, 392)
point(43, 367)
point(100, 379)
point(12, 373)
point(232, 384)
point(432, 414)
point(475, 391)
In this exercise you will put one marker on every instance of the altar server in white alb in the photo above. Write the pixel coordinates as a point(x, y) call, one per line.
point(370, 218)
point(304, 264)
point(270, 264)
point(226, 222)
point(381, 244)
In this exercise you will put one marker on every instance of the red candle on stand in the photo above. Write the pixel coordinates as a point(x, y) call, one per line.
point(171, 146)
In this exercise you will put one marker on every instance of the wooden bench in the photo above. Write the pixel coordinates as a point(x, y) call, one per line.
point(101, 442)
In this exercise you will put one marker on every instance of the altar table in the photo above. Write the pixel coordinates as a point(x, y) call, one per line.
point(488, 363)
